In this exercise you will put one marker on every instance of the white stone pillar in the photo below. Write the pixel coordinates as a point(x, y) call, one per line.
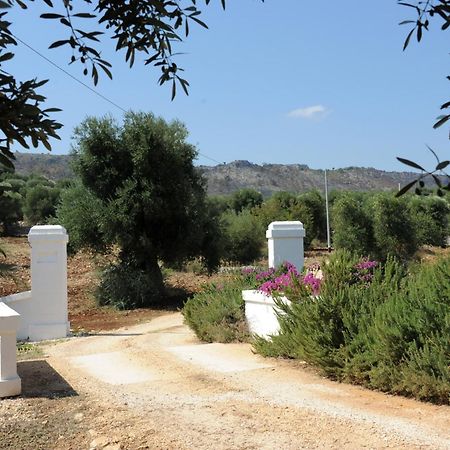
point(285, 242)
point(48, 282)
point(10, 383)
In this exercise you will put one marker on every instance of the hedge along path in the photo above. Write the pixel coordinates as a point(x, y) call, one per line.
point(164, 389)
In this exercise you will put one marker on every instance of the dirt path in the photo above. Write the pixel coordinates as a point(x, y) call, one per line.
point(154, 386)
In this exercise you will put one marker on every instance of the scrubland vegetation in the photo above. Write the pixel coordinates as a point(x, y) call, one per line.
point(378, 317)
point(384, 325)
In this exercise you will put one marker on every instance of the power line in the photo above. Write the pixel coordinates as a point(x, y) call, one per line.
point(211, 159)
point(88, 87)
point(69, 74)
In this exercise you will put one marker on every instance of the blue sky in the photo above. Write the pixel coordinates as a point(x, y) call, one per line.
point(285, 81)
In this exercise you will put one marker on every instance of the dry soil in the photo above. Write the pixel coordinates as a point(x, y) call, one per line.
point(155, 386)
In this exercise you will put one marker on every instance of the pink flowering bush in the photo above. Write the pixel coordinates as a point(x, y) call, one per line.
point(312, 282)
point(285, 278)
point(382, 325)
point(363, 271)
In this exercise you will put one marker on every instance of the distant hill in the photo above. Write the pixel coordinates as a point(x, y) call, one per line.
point(54, 167)
point(225, 179)
point(269, 178)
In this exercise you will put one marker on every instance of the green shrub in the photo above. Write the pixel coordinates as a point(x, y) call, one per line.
point(275, 208)
point(243, 237)
point(317, 329)
point(287, 206)
point(10, 204)
point(38, 180)
point(381, 225)
point(124, 286)
point(391, 334)
point(301, 211)
point(218, 204)
point(393, 228)
point(352, 225)
point(40, 203)
point(80, 213)
point(195, 266)
point(429, 216)
point(217, 313)
point(245, 199)
point(317, 228)
point(410, 337)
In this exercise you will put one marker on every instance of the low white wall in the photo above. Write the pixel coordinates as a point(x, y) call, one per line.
point(43, 310)
point(35, 324)
point(22, 304)
point(261, 313)
point(10, 383)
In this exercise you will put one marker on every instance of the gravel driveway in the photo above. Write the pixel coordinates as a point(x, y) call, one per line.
point(155, 386)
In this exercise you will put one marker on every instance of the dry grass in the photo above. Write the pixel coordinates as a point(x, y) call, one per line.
point(83, 271)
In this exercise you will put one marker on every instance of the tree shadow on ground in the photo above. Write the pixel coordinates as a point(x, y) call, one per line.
point(173, 300)
point(6, 268)
point(40, 380)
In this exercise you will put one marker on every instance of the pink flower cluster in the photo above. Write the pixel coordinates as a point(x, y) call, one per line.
point(313, 282)
point(266, 275)
point(288, 278)
point(364, 270)
point(366, 264)
point(277, 284)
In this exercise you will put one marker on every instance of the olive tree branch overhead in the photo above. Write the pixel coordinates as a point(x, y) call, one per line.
point(151, 27)
point(424, 12)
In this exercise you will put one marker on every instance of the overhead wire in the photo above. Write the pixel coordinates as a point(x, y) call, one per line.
point(87, 86)
point(68, 73)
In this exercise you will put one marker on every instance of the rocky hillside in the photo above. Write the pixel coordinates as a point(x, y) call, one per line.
point(226, 178)
point(269, 178)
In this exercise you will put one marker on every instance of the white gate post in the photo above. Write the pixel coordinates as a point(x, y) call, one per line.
point(10, 383)
point(285, 242)
point(48, 282)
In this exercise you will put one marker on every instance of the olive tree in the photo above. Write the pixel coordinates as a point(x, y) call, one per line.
point(246, 199)
point(10, 204)
point(352, 225)
point(153, 201)
point(40, 203)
